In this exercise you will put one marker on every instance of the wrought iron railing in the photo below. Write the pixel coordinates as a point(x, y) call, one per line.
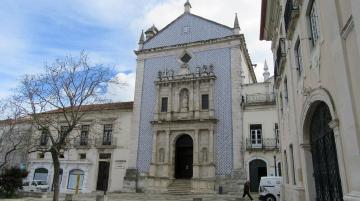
point(291, 13)
point(105, 142)
point(82, 142)
point(280, 56)
point(266, 144)
point(254, 99)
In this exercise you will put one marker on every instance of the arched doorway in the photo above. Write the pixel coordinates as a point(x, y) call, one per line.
point(184, 157)
point(324, 156)
point(257, 169)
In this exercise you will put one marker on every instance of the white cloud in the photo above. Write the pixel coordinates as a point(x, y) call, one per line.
point(123, 87)
point(220, 11)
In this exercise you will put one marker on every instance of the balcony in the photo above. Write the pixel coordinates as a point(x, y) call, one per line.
point(82, 143)
point(106, 143)
point(291, 16)
point(267, 144)
point(280, 58)
point(260, 99)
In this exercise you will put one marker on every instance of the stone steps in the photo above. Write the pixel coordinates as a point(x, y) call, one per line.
point(180, 187)
point(149, 197)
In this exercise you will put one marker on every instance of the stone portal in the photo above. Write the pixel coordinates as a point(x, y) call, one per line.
point(184, 157)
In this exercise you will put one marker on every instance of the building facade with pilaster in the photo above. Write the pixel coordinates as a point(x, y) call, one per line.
point(315, 45)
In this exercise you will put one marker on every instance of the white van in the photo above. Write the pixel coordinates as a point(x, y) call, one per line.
point(270, 188)
point(35, 186)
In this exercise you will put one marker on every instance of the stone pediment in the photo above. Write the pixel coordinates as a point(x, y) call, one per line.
point(188, 28)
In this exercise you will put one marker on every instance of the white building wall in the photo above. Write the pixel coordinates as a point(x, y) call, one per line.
point(330, 75)
point(120, 119)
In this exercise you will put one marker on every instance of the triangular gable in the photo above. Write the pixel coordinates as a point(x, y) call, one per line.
point(188, 28)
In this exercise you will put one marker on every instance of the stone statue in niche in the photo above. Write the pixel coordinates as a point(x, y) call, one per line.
point(184, 100)
point(204, 155)
point(161, 155)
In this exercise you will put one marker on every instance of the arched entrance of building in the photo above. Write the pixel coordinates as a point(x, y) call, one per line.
point(184, 157)
point(324, 155)
point(257, 169)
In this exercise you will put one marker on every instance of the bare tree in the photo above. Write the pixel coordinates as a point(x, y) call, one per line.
point(55, 102)
point(15, 133)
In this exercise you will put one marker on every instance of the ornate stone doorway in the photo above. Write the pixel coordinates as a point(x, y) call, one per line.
point(324, 156)
point(184, 157)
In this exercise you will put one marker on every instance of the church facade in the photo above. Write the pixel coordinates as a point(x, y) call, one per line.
point(200, 122)
point(187, 120)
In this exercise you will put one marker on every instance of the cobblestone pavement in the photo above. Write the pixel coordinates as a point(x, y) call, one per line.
point(152, 197)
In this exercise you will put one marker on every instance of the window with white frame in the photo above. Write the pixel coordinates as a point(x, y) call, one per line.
point(298, 57)
point(84, 134)
point(44, 137)
point(314, 22)
point(256, 135)
point(107, 135)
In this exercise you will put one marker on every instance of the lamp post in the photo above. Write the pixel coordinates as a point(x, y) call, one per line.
point(275, 164)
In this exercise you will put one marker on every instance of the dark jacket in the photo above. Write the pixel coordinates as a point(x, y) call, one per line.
point(247, 186)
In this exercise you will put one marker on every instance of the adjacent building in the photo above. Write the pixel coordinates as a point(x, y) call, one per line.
point(261, 147)
point(315, 45)
point(98, 155)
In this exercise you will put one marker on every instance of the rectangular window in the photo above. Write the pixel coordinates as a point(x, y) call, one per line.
point(292, 164)
point(286, 90)
point(44, 136)
point(104, 156)
point(298, 57)
point(82, 156)
point(41, 155)
point(256, 135)
point(107, 136)
point(314, 22)
point(277, 137)
point(164, 104)
point(84, 135)
point(205, 101)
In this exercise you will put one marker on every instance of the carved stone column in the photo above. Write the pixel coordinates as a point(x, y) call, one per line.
point(211, 99)
point(197, 100)
point(196, 155)
point(167, 151)
point(152, 171)
point(157, 104)
point(170, 102)
point(211, 145)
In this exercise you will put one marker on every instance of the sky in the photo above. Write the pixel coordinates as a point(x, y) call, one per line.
point(33, 33)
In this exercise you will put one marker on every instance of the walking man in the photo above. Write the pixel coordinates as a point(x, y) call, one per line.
point(247, 190)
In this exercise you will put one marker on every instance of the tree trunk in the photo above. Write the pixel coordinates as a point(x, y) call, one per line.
point(56, 164)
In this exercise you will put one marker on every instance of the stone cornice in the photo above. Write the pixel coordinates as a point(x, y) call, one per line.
point(180, 121)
